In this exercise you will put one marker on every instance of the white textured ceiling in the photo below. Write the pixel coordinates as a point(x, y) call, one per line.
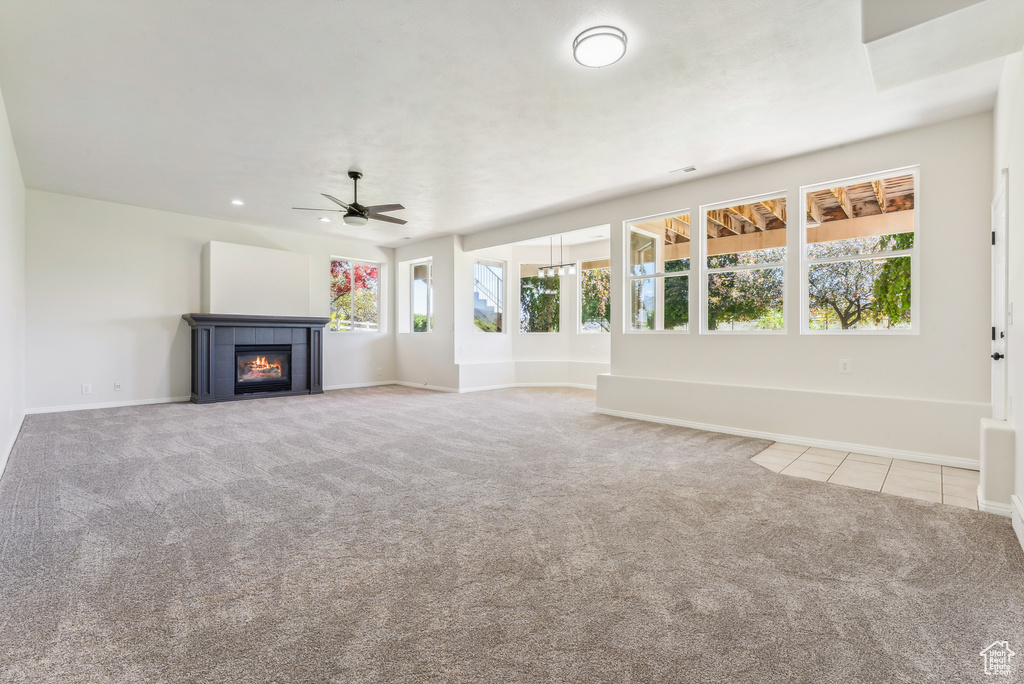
point(471, 113)
point(570, 238)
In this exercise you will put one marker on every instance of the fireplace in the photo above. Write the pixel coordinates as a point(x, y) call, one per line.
point(236, 357)
point(263, 368)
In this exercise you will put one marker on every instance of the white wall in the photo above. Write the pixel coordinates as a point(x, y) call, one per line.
point(428, 359)
point(12, 290)
point(942, 371)
point(107, 285)
point(1009, 154)
point(489, 360)
point(255, 281)
point(569, 356)
point(485, 359)
point(458, 357)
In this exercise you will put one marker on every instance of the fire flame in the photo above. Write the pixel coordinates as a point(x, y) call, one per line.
point(260, 368)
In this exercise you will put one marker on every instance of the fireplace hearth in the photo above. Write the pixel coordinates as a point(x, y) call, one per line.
point(247, 357)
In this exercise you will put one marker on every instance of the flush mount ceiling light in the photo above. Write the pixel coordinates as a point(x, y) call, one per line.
point(599, 46)
point(237, 202)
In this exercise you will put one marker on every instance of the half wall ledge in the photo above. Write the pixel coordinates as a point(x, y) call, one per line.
point(221, 343)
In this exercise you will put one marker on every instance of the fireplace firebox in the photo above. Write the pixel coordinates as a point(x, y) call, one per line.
point(237, 357)
point(263, 368)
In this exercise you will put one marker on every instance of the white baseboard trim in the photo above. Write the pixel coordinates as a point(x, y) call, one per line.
point(418, 385)
point(488, 388)
point(1005, 510)
point(357, 385)
point(576, 385)
point(1017, 516)
point(514, 385)
point(109, 404)
point(6, 455)
point(934, 459)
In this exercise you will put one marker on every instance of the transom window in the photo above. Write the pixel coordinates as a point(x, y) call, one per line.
point(658, 277)
point(355, 296)
point(746, 265)
point(859, 255)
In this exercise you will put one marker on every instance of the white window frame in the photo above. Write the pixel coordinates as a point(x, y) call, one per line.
point(913, 253)
point(429, 263)
point(503, 293)
point(704, 273)
point(380, 295)
point(658, 277)
point(579, 297)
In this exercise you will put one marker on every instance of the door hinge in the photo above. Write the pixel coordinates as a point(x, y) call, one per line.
point(993, 237)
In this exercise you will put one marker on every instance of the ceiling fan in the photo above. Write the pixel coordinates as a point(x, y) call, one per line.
point(355, 213)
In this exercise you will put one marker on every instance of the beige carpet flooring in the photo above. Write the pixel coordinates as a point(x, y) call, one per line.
point(399, 535)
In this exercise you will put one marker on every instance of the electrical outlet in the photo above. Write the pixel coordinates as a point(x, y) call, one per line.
point(380, 371)
point(845, 366)
point(86, 388)
point(118, 387)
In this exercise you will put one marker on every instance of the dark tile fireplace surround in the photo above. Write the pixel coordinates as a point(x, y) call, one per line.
point(249, 357)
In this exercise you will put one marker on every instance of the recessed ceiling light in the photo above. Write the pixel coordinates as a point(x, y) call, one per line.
point(237, 203)
point(325, 219)
point(599, 46)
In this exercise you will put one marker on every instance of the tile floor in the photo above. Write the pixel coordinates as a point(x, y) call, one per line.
point(940, 484)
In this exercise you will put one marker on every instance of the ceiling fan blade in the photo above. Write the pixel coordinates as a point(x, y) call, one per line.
point(377, 208)
point(389, 219)
point(335, 200)
point(340, 211)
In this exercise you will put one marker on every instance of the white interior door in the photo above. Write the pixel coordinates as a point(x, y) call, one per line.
point(999, 304)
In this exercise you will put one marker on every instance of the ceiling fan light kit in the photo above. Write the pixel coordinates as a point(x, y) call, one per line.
point(353, 219)
point(599, 46)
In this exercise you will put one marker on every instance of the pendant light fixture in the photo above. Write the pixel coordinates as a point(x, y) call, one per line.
point(552, 268)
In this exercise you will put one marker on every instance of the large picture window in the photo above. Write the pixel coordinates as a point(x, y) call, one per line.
point(745, 259)
point(422, 298)
point(488, 295)
point(595, 296)
point(859, 254)
point(539, 300)
point(355, 300)
point(658, 277)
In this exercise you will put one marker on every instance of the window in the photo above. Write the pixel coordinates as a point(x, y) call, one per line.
point(595, 296)
point(354, 296)
point(746, 259)
point(488, 297)
point(422, 298)
point(538, 300)
point(658, 279)
point(860, 253)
